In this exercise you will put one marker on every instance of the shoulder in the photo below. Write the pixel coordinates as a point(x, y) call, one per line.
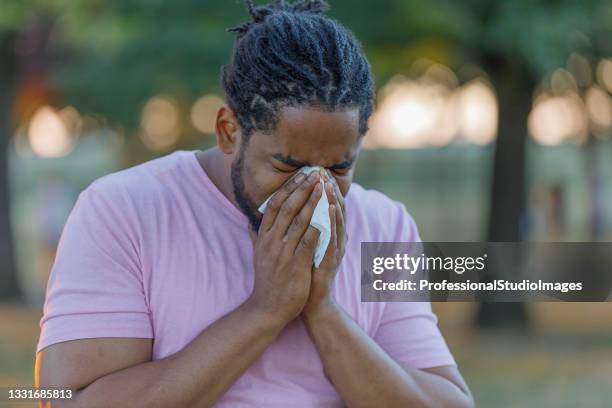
point(139, 183)
point(379, 216)
point(126, 199)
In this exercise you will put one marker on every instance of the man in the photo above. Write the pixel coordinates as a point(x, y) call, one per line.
point(170, 289)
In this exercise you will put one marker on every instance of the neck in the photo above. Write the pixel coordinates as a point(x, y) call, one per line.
point(218, 170)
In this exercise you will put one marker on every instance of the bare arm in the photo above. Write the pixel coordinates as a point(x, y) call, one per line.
point(119, 373)
point(366, 376)
point(361, 371)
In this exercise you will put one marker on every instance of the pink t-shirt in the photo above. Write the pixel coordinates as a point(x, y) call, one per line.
point(157, 251)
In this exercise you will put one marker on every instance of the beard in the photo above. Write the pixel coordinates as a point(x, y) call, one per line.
point(246, 204)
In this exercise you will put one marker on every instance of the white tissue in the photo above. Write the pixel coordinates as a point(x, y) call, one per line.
point(320, 218)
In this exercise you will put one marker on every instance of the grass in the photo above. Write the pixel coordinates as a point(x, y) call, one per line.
point(538, 371)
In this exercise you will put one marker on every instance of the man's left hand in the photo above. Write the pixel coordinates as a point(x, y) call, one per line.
point(322, 277)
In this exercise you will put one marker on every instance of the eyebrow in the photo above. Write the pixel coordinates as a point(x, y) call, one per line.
point(290, 161)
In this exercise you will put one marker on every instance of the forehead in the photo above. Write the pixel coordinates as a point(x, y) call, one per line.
point(313, 135)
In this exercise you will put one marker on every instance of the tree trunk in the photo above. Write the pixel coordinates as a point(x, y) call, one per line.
point(596, 190)
point(9, 286)
point(508, 195)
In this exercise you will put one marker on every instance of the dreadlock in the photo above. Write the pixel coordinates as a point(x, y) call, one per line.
point(290, 54)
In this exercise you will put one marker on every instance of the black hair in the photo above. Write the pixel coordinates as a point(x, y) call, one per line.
point(291, 54)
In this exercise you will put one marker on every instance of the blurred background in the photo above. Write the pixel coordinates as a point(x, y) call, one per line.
point(492, 123)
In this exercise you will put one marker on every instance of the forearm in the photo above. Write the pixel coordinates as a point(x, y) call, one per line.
point(365, 375)
point(196, 376)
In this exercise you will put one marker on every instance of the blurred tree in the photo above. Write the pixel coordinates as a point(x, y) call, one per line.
point(8, 79)
point(125, 51)
point(121, 53)
point(517, 43)
point(523, 43)
point(26, 62)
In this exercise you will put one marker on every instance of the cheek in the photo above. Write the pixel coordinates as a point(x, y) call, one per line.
point(264, 182)
point(261, 179)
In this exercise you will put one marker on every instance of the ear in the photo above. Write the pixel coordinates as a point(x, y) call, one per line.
point(227, 130)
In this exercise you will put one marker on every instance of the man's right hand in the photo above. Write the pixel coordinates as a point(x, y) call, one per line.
point(284, 248)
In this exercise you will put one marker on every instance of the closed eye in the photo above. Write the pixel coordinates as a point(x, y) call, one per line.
point(341, 170)
point(284, 170)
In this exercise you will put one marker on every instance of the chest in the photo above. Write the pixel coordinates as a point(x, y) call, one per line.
point(195, 279)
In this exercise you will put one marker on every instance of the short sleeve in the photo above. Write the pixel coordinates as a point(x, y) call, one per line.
point(408, 331)
point(95, 287)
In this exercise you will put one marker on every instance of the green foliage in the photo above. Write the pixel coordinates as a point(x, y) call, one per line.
point(127, 51)
point(544, 33)
point(121, 52)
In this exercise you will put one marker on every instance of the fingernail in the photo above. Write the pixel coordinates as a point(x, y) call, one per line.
point(313, 176)
point(299, 178)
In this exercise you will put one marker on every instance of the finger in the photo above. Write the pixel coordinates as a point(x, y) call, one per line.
point(341, 229)
point(327, 180)
point(305, 249)
point(329, 191)
point(301, 222)
point(279, 198)
point(339, 200)
point(293, 205)
point(331, 247)
point(339, 196)
point(334, 225)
